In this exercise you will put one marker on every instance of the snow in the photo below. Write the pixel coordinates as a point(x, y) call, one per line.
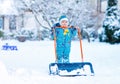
point(29, 64)
point(81, 71)
point(7, 7)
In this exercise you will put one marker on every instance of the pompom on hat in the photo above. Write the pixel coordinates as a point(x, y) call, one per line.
point(63, 17)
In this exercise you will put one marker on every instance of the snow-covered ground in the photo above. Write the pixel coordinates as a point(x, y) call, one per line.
point(29, 64)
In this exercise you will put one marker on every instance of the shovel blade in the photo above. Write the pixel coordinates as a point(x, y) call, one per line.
point(71, 69)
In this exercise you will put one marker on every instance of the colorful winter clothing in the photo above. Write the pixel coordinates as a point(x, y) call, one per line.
point(63, 34)
point(63, 43)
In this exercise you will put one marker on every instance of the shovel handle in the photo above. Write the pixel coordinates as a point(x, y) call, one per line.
point(81, 49)
point(55, 45)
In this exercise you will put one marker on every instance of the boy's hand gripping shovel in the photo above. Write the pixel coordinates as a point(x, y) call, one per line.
point(71, 69)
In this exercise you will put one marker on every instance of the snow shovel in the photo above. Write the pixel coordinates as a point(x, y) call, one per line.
point(71, 69)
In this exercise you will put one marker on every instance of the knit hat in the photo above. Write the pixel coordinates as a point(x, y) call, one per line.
point(63, 17)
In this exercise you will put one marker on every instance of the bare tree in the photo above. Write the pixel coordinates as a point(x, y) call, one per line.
point(79, 12)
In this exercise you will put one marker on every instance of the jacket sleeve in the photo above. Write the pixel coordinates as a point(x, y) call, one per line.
point(53, 30)
point(54, 33)
point(73, 31)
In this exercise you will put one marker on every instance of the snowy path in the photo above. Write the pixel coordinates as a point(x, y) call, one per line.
point(29, 65)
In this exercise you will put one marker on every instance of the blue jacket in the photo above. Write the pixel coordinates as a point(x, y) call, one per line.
point(63, 42)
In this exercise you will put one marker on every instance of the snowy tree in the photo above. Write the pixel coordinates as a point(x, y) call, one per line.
point(78, 11)
point(47, 12)
point(111, 24)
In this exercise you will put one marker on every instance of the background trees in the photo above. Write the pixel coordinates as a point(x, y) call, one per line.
point(111, 24)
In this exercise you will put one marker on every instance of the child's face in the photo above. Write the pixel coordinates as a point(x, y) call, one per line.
point(64, 23)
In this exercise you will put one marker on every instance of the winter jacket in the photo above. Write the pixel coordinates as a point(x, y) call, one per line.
point(63, 43)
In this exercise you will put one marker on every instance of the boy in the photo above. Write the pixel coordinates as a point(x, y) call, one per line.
point(63, 34)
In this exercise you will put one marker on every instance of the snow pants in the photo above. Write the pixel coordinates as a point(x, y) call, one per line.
point(63, 51)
